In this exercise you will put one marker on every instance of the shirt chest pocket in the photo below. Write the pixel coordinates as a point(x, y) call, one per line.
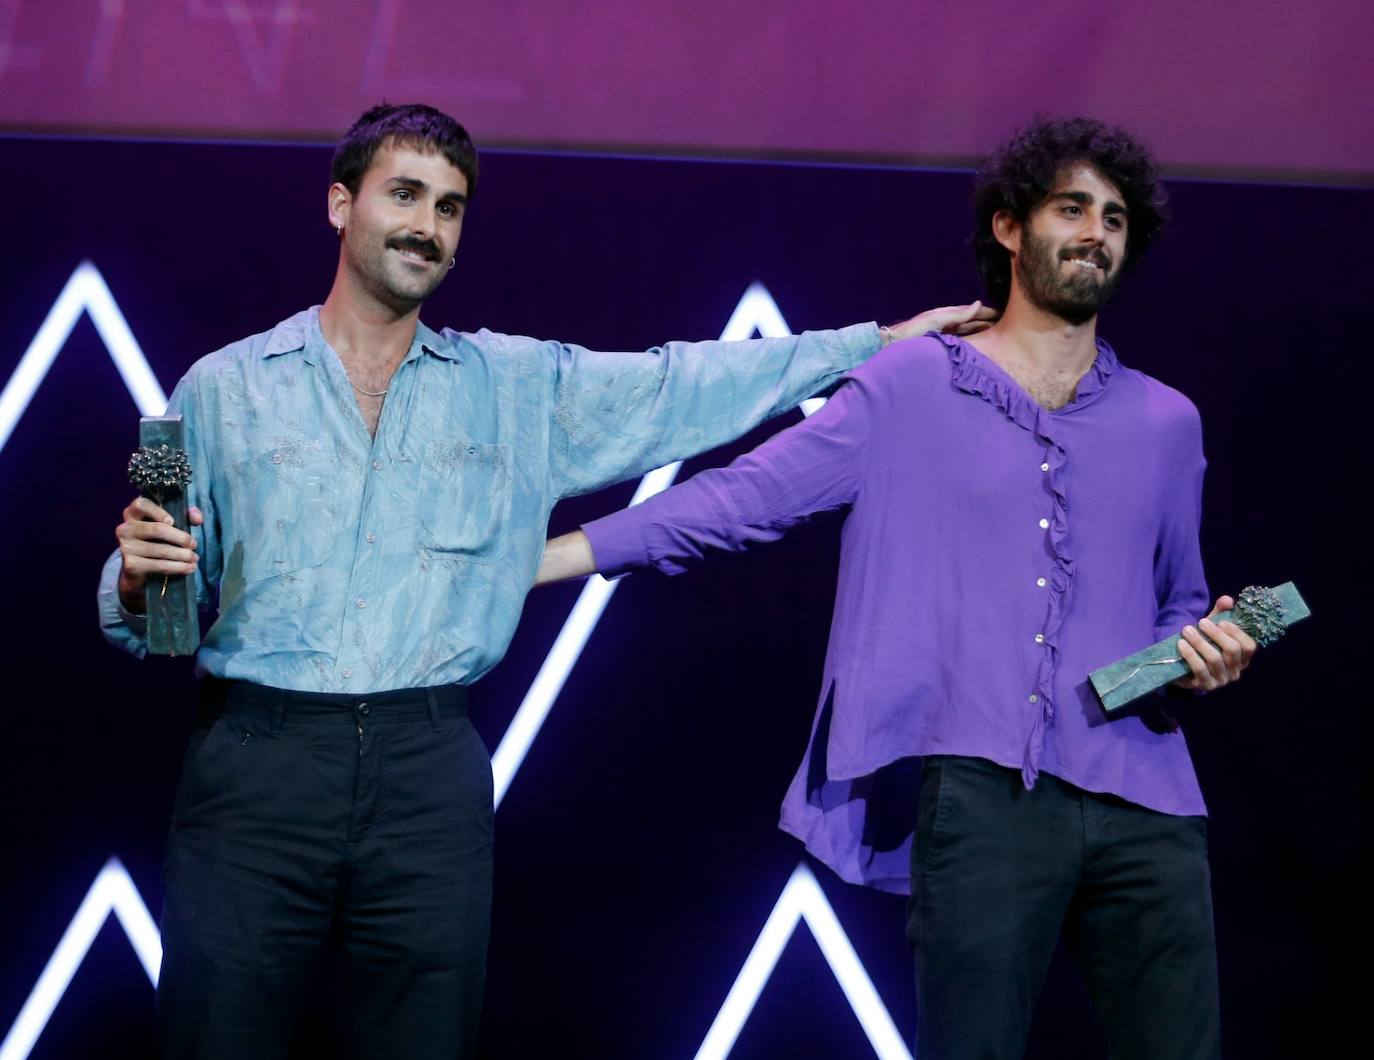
point(465, 502)
point(286, 507)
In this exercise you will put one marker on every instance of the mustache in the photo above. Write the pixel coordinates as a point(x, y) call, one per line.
point(1096, 255)
point(424, 247)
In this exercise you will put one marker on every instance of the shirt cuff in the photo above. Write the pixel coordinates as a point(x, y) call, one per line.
point(118, 622)
point(617, 543)
point(138, 624)
point(861, 341)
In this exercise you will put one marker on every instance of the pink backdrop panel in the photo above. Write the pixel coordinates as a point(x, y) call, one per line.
point(1264, 87)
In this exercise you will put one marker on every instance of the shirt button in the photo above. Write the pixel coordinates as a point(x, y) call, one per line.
point(347, 673)
point(1044, 467)
point(371, 537)
point(362, 602)
point(276, 458)
point(1034, 698)
point(1044, 524)
point(376, 465)
point(1040, 638)
point(1040, 582)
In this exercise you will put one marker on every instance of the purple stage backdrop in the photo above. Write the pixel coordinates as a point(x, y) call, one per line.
point(637, 855)
point(1258, 87)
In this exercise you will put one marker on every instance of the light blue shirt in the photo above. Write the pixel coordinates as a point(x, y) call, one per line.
point(346, 563)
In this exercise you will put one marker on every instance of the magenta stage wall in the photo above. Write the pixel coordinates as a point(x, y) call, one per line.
point(1246, 89)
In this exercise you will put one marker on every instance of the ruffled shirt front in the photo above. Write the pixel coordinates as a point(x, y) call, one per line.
point(993, 554)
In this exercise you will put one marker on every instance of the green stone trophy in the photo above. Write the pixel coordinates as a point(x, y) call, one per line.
point(161, 472)
point(1263, 613)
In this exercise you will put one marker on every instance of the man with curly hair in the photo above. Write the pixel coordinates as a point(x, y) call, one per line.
point(1021, 509)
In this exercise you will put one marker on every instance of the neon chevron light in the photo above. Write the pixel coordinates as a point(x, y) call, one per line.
point(756, 311)
point(112, 892)
point(85, 290)
point(112, 889)
point(803, 899)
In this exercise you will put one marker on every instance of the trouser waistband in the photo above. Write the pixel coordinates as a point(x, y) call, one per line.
point(218, 696)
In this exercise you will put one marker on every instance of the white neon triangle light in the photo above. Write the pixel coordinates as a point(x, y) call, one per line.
point(87, 292)
point(112, 892)
point(803, 900)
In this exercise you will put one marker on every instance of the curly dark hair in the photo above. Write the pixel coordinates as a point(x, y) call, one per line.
point(1022, 172)
point(410, 125)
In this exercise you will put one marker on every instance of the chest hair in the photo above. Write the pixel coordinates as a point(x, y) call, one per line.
point(1048, 390)
point(375, 380)
point(371, 408)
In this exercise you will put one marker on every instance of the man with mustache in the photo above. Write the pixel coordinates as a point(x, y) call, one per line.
point(371, 498)
point(1021, 509)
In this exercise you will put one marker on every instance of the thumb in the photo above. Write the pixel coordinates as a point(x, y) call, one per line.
point(196, 516)
point(1224, 603)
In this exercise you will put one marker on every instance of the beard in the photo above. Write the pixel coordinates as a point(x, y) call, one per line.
point(1076, 298)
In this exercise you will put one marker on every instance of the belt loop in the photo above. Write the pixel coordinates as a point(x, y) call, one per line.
point(278, 712)
point(434, 709)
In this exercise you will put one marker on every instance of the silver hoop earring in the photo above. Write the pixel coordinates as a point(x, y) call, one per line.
point(450, 262)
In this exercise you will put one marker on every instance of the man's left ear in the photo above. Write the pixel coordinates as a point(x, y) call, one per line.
point(1006, 229)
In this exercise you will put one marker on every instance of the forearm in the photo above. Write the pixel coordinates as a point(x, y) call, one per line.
point(566, 556)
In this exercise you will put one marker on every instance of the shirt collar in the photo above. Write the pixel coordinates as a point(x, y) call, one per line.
point(301, 333)
point(977, 373)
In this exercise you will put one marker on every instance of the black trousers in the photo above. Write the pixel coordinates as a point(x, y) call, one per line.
point(998, 872)
point(312, 823)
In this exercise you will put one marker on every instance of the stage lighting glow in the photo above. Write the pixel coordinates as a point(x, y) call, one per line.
point(803, 899)
point(85, 290)
point(112, 891)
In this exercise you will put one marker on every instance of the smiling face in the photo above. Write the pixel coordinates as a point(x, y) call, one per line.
point(1067, 256)
point(403, 225)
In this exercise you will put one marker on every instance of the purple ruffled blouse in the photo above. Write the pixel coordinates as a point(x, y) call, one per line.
point(993, 555)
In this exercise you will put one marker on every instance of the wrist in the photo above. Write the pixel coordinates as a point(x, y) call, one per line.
point(132, 595)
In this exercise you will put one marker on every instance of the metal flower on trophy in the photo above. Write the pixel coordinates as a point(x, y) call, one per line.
point(161, 471)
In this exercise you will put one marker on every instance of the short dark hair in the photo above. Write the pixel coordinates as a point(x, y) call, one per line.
point(407, 124)
point(1020, 175)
